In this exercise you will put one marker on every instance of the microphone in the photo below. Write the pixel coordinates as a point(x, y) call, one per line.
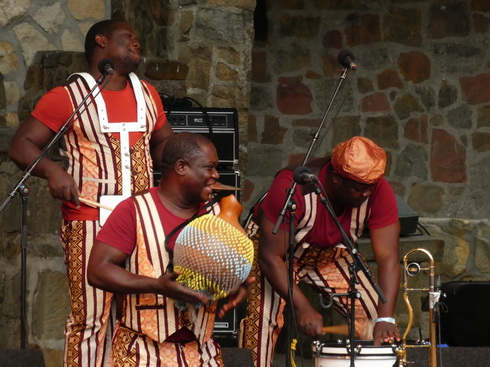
point(106, 67)
point(346, 59)
point(303, 175)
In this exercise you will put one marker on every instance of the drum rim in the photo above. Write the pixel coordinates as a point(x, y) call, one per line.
point(364, 349)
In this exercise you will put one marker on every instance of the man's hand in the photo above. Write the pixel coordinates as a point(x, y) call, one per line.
point(170, 288)
point(62, 186)
point(237, 297)
point(385, 332)
point(310, 321)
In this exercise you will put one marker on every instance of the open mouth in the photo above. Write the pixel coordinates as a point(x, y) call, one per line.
point(209, 188)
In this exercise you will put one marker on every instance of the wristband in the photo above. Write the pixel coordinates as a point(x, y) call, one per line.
point(391, 320)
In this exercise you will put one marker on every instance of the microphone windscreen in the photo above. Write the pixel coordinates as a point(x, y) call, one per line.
point(105, 65)
point(298, 172)
point(343, 55)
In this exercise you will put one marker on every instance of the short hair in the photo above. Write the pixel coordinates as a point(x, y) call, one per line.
point(104, 27)
point(185, 145)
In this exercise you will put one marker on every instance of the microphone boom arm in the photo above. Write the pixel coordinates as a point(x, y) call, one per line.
point(48, 146)
point(282, 213)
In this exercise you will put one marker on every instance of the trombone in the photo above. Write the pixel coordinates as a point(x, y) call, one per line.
point(413, 269)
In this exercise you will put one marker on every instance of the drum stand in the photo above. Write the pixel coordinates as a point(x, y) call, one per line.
point(353, 294)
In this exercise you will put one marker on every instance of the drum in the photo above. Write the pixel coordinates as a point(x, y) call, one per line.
point(337, 354)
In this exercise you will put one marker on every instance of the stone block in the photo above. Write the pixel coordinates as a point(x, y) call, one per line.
point(261, 158)
point(447, 158)
point(450, 20)
point(52, 305)
point(411, 162)
point(402, 25)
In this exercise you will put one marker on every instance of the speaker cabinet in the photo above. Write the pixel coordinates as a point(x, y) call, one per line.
point(237, 357)
point(229, 178)
point(465, 322)
point(21, 358)
point(407, 216)
point(220, 125)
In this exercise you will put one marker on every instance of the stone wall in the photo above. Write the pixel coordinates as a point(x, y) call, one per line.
point(29, 27)
point(199, 49)
point(420, 91)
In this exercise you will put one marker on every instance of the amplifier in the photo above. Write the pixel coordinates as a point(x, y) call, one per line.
point(220, 125)
point(464, 320)
point(229, 178)
point(228, 325)
point(409, 219)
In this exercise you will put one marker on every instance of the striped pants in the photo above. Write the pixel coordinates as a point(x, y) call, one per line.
point(327, 271)
point(130, 349)
point(85, 330)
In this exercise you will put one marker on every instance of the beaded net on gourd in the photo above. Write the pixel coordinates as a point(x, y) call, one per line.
point(212, 256)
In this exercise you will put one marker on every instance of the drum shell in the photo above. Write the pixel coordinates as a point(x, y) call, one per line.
point(336, 354)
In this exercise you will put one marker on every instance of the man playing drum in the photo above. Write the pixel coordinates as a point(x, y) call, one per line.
point(360, 197)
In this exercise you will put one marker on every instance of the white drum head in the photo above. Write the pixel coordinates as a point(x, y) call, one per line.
point(337, 354)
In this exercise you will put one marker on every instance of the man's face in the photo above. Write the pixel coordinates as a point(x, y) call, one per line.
point(353, 193)
point(202, 173)
point(123, 48)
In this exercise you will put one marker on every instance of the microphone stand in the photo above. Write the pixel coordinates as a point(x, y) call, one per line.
point(343, 75)
point(23, 191)
point(288, 202)
point(292, 210)
point(357, 264)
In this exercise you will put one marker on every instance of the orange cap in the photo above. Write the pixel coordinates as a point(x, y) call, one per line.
point(359, 159)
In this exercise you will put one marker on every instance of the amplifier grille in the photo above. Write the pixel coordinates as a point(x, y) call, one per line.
point(220, 125)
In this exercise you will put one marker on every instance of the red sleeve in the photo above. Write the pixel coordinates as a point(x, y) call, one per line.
point(384, 210)
point(158, 103)
point(274, 201)
point(119, 231)
point(54, 108)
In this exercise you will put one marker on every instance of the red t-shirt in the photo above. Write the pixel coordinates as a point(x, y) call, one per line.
point(325, 233)
point(119, 231)
point(55, 108)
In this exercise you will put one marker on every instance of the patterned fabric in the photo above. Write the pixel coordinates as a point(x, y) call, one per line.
point(93, 159)
point(154, 315)
point(90, 307)
point(255, 332)
point(131, 349)
point(326, 269)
